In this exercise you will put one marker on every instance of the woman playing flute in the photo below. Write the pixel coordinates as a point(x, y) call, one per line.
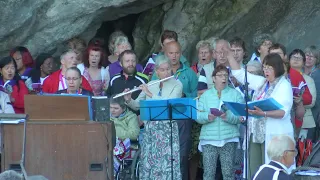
point(156, 151)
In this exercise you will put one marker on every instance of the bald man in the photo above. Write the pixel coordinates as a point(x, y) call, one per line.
point(189, 80)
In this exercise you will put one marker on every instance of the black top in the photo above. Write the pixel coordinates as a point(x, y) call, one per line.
point(118, 83)
point(267, 173)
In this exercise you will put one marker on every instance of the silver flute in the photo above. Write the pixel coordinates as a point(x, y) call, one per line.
point(137, 88)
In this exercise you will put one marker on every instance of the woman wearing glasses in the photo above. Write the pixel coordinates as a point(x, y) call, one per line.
point(219, 134)
point(74, 80)
point(273, 85)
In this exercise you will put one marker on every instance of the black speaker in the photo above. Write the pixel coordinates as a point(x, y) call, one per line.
point(101, 108)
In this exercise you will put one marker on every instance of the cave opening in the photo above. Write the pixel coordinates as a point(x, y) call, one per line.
point(125, 24)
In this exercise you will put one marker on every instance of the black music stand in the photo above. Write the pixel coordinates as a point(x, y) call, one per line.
point(175, 109)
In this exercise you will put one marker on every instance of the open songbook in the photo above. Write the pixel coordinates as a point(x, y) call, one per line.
point(7, 88)
point(239, 109)
point(148, 70)
point(298, 91)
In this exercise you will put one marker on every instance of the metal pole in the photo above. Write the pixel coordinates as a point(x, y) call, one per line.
point(171, 141)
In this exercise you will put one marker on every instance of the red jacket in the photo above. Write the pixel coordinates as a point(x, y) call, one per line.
point(195, 68)
point(18, 95)
point(296, 77)
point(51, 83)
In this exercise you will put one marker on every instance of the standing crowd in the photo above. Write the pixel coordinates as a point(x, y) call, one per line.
point(212, 143)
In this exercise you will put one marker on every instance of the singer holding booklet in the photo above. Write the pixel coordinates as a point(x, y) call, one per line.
point(13, 84)
point(156, 151)
point(219, 134)
point(44, 65)
point(273, 85)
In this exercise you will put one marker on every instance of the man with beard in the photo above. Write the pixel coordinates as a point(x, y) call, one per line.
point(128, 78)
point(56, 80)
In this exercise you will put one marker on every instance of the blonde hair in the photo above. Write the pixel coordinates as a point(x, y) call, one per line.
point(77, 44)
point(121, 40)
point(112, 39)
point(203, 43)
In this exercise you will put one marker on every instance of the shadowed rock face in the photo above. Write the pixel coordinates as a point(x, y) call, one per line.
point(41, 25)
point(294, 23)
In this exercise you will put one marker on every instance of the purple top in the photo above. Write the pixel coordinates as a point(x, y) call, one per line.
point(26, 74)
point(116, 68)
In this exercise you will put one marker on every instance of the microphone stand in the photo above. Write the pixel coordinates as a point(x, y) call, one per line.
point(246, 97)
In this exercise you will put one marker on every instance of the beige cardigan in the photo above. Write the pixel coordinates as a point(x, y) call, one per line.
point(172, 88)
point(308, 120)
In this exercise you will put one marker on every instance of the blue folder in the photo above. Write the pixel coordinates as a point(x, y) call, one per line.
point(239, 109)
point(156, 110)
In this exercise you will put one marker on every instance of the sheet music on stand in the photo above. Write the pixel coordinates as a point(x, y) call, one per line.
point(8, 121)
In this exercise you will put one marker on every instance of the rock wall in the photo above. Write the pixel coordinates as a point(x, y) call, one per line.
point(41, 25)
point(294, 23)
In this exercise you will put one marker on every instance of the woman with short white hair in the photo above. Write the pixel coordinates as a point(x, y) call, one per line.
point(205, 52)
point(120, 45)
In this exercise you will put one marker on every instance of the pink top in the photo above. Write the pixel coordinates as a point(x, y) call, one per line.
point(96, 85)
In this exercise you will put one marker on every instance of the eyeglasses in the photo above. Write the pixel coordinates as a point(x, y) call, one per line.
point(222, 75)
point(309, 56)
point(219, 53)
point(253, 72)
point(297, 58)
point(72, 79)
point(267, 68)
point(295, 151)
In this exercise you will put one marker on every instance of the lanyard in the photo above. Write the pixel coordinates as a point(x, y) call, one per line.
point(264, 92)
point(160, 92)
point(177, 76)
point(62, 81)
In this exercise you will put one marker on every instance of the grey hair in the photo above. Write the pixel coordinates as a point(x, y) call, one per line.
point(213, 42)
point(278, 145)
point(314, 50)
point(10, 175)
point(120, 101)
point(204, 43)
point(121, 40)
point(259, 39)
point(222, 41)
point(66, 52)
point(257, 65)
point(161, 59)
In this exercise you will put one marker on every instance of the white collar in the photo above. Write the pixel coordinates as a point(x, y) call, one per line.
point(254, 55)
point(283, 166)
